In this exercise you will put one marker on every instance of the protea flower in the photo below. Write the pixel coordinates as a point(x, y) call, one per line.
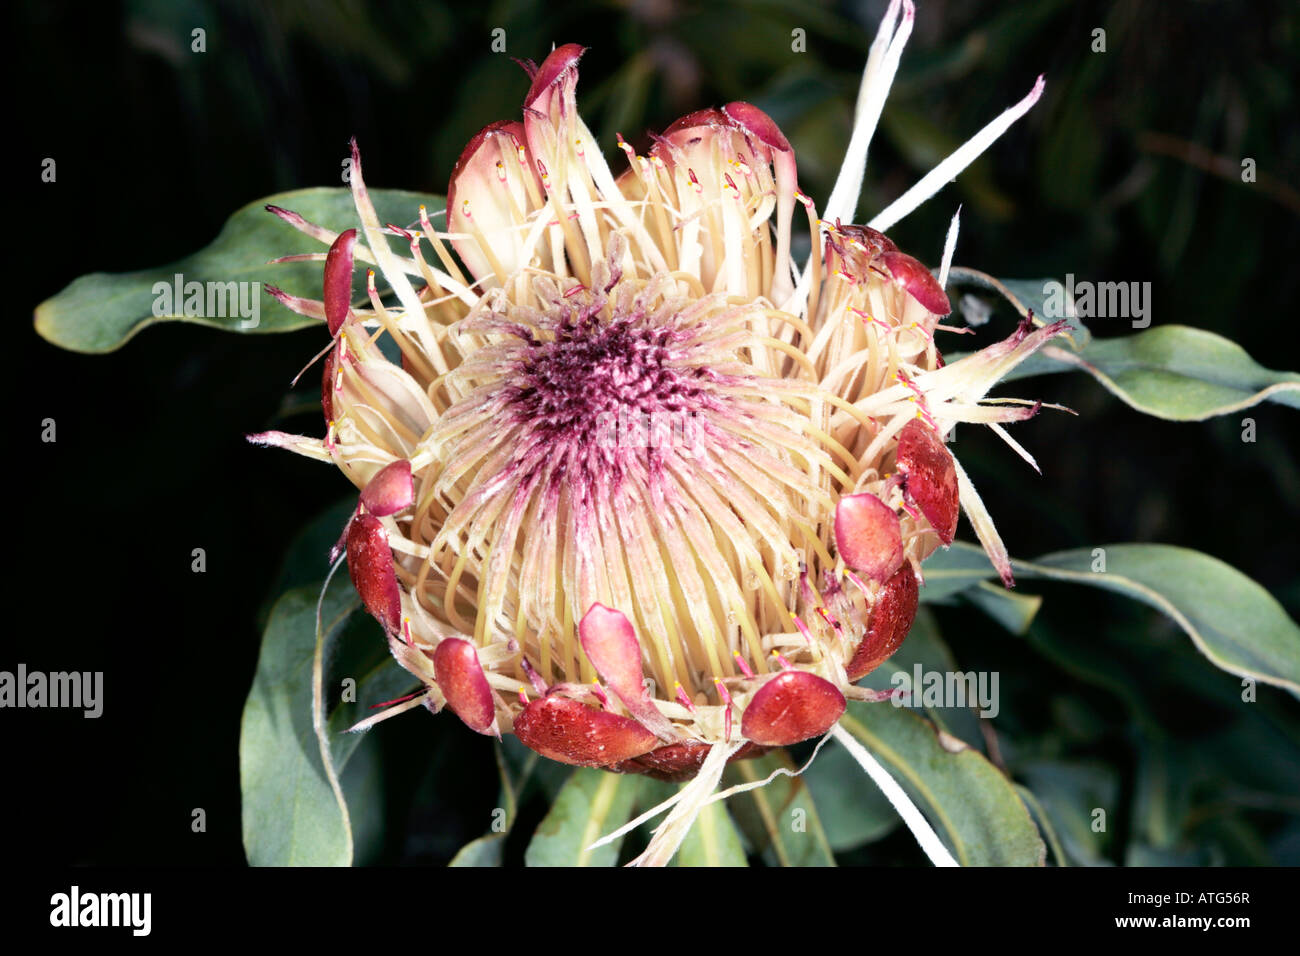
point(639, 491)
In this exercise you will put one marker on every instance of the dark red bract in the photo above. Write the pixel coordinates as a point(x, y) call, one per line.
point(682, 761)
point(370, 563)
point(792, 706)
point(931, 476)
point(553, 67)
point(462, 681)
point(573, 733)
point(891, 619)
point(338, 280)
point(759, 124)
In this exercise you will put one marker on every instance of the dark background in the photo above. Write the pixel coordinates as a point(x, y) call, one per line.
point(157, 145)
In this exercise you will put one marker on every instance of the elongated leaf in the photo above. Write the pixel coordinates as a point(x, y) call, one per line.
point(1044, 824)
point(1013, 610)
point(1173, 372)
point(780, 819)
point(712, 841)
point(99, 312)
point(290, 813)
point(1233, 621)
point(591, 804)
point(853, 809)
point(973, 807)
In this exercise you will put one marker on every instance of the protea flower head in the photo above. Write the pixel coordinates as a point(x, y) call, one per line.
point(640, 490)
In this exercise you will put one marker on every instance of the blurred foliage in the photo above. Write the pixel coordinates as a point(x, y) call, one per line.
point(1128, 170)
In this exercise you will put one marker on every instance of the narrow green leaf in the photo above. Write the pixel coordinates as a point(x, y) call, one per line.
point(1025, 296)
point(712, 840)
point(973, 807)
point(1012, 609)
point(485, 851)
point(952, 571)
point(1233, 621)
point(853, 809)
point(290, 813)
point(590, 805)
point(780, 819)
point(1173, 372)
point(99, 312)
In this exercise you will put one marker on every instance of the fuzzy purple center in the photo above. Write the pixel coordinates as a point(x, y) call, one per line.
point(608, 395)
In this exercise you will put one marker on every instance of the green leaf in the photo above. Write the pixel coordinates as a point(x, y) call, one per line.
point(1173, 372)
point(853, 810)
point(1233, 621)
point(953, 570)
point(290, 813)
point(590, 805)
point(1044, 824)
point(485, 851)
point(99, 312)
point(712, 840)
point(780, 819)
point(1011, 609)
point(926, 649)
point(973, 807)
